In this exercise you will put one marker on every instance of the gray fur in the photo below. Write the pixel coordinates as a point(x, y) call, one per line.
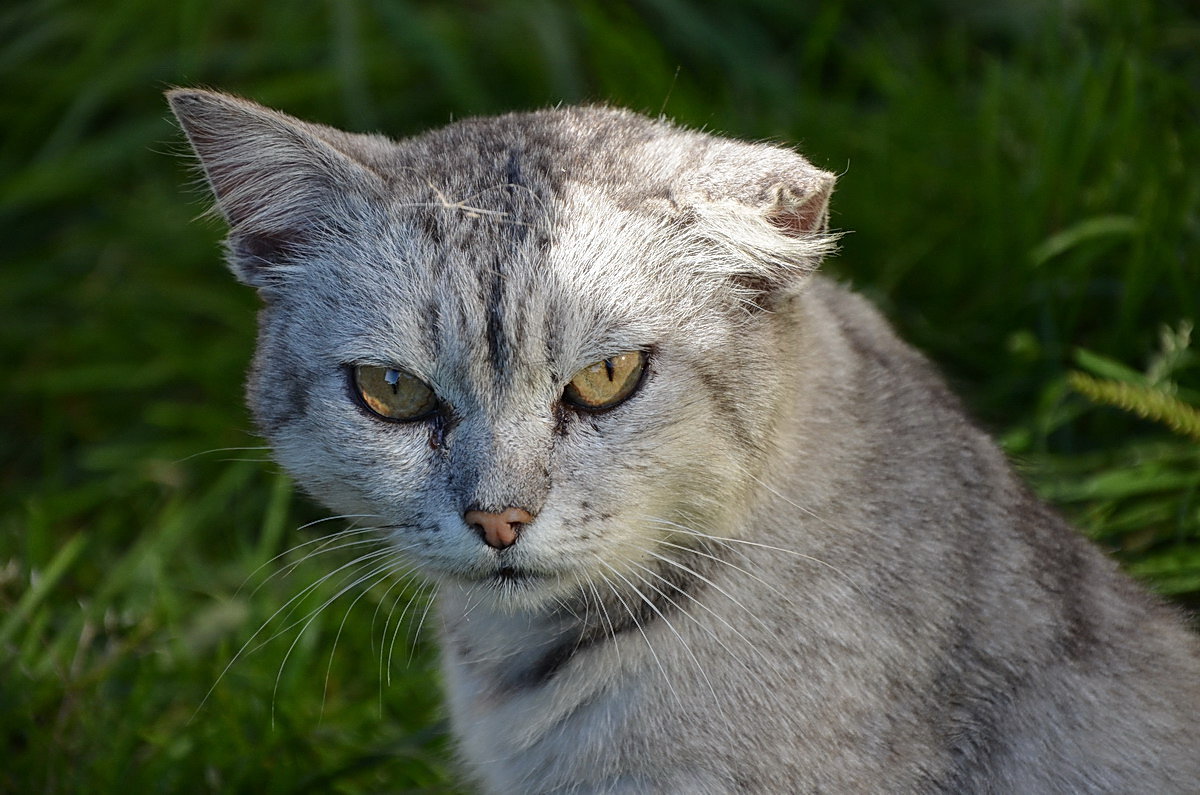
point(787, 564)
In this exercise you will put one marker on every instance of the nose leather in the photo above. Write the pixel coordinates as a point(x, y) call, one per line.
point(498, 530)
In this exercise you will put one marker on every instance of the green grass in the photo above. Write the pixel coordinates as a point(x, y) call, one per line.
point(1023, 203)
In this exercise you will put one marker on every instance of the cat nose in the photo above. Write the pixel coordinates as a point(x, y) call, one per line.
point(498, 530)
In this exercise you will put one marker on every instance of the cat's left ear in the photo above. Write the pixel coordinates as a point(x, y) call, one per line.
point(768, 207)
point(800, 208)
point(282, 184)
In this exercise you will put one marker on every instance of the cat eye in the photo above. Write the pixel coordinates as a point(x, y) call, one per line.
point(392, 393)
point(607, 382)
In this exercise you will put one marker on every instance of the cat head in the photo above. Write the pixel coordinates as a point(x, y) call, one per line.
point(528, 346)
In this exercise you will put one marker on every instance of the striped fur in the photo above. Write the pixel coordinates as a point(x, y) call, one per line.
point(787, 563)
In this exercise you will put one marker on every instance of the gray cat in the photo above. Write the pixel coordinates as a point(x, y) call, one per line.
point(699, 522)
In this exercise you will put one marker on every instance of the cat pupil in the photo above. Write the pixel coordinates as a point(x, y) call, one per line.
point(392, 377)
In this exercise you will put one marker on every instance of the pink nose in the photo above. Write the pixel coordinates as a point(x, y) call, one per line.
point(498, 530)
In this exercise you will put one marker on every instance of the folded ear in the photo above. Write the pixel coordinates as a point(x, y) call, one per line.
point(769, 207)
point(801, 207)
point(279, 182)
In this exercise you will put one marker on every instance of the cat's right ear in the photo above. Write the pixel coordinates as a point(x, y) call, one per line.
point(276, 179)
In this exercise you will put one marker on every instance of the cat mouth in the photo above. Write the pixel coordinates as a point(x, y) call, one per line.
point(508, 577)
point(511, 574)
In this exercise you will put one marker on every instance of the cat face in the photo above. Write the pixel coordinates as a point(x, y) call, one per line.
point(489, 319)
point(499, 355)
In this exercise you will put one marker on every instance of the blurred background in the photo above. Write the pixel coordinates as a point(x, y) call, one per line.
point(1021, 184)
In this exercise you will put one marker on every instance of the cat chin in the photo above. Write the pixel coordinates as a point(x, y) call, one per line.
point(510, 590)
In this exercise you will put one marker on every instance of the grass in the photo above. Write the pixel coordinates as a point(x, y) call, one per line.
point(1022, 205)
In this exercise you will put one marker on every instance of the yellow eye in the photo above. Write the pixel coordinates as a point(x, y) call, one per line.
point(393, 394)
point(607, 382)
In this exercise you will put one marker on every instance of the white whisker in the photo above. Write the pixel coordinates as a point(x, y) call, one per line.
point(724, 562)
point(633, 617)
point(650, 603)
point(672, 562)
point(338, 636)
point(702, 625)
point(403, 577)
point(319, 540)
point(311, 617)
point(358, 563)
point(676, 527)
point(612, 633)
point(416, 634)
point(221, 450)
point(289, 606)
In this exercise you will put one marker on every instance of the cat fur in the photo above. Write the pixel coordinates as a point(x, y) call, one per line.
point(787, 563)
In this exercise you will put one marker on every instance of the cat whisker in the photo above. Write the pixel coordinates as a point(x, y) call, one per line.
point(474, 599)
point(339, 517)
point(293, 604)
point(407, 578)
point(730, 540)
point(248, 646)
point(571, 610)
point(386, 568)
point(704, 626)
point(650, 603)
point(425, 591)
point(633, 617)
point(328, 545)
point(320, 540)
point(414, 635)
point(687, 569)
point(724, 562)
point(386, 647)
point(338, 636)
point(808, 512)
point(187, 458)
point(332, 542)
point(402, 578)
point(612, 633)
point(358, 563)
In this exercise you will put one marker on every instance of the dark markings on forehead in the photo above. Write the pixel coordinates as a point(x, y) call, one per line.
point(515, 179)
point(504, 331)
point(486, 196)
point(430, 225)
point(431, 322)
point(492, 295)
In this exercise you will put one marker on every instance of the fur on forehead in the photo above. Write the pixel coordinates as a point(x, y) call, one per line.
point(715, 215)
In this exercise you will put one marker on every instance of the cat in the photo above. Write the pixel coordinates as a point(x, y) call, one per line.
point(698, 520)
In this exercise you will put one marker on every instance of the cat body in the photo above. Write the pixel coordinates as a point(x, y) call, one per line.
point(779, 559)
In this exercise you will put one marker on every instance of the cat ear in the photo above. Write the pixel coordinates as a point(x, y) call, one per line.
point(277, 180)
point(769, 208)
point(801, 208)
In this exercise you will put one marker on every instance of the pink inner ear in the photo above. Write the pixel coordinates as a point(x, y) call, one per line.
point(796, 216)
point(798, 221)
